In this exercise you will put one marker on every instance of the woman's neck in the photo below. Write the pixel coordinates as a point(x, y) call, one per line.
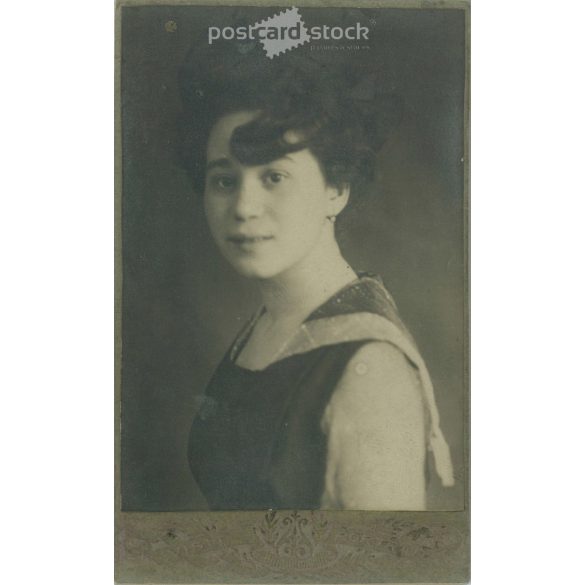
point(290, 297)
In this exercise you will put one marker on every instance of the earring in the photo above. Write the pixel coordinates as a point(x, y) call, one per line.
point(332, 218)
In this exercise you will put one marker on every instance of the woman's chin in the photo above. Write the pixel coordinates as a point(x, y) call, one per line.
point(255, 270)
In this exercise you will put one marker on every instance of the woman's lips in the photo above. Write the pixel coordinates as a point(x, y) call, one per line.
point(248, 242)
point(240, 239)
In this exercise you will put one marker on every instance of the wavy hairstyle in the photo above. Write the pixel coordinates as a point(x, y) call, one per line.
point(336, 112)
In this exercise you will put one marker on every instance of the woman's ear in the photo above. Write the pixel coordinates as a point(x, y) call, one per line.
point(338, 199)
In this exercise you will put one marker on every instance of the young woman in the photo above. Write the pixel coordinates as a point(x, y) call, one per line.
point(323, 400)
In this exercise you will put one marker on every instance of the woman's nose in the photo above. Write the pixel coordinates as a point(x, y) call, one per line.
point(248, 202)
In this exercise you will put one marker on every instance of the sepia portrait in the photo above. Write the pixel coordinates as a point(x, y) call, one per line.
point(292, 283)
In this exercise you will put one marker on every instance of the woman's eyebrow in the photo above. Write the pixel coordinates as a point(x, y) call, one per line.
point(226, 163)
point(222, 163)
point(281, 158)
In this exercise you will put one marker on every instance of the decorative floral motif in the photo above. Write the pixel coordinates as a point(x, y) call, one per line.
point(293, 541)
point(292, 546)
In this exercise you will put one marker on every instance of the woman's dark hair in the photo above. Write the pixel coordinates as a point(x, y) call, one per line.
point(332, 110)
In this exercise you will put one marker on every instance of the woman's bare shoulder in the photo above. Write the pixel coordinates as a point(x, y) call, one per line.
point(378, 376)
point(376, 438)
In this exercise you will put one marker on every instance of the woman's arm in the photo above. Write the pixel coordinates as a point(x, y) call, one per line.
point(375, 424)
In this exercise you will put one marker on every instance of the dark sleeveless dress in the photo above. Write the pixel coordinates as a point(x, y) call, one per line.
point(257, 442)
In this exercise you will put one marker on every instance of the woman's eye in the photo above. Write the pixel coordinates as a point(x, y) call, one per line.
point(274, 177)
point(223, 182)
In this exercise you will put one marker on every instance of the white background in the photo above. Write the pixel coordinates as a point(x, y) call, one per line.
point(57, 228)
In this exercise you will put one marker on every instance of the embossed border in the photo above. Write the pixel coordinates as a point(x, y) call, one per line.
point(290, 546)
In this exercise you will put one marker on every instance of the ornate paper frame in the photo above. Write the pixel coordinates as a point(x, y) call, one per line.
point(257, 547)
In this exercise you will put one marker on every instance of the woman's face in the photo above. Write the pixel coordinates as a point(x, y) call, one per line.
point(268, 218)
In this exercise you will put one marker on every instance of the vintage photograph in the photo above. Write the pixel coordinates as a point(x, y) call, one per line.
point(293, 279)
